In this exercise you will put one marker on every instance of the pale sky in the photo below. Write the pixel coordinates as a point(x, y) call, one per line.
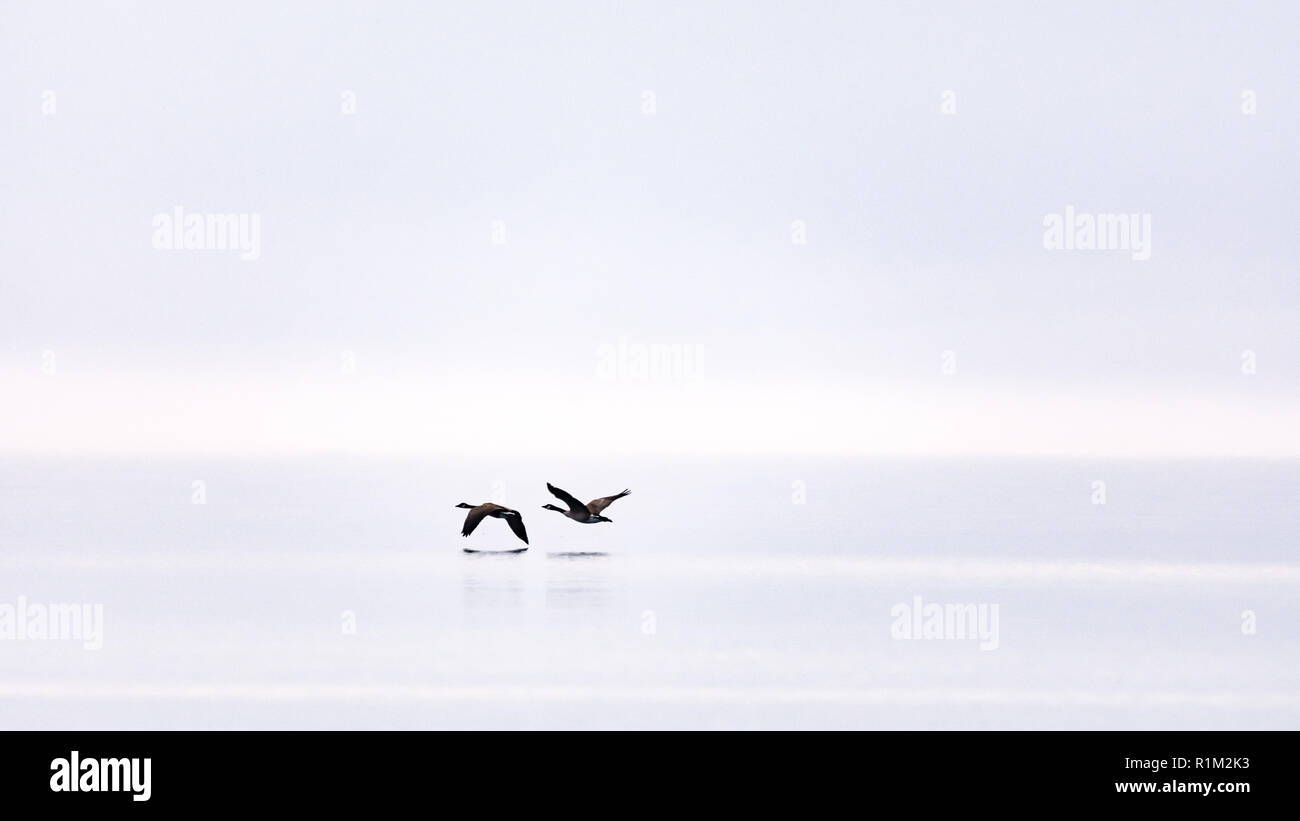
point(919, 147)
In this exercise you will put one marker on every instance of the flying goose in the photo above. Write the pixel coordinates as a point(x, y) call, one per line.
point(587, 514)
point(480, 512)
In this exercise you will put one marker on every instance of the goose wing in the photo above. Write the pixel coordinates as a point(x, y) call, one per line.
point(567, 498)
point(516, 523)
point(475, 516)
point(597, 505)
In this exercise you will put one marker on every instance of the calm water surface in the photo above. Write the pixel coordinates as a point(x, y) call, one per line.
point(333, 592)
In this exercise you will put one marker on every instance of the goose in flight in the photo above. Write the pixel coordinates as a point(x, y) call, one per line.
point(587, 514)
point(478, 513)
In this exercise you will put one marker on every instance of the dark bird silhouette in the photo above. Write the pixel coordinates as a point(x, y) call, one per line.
point(480, 512)
point(587, 514)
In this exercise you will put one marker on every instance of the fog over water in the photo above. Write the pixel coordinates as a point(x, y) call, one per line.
point(334, 593)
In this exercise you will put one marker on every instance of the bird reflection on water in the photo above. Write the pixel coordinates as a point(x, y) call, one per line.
point(577, 580)
point(566, 580)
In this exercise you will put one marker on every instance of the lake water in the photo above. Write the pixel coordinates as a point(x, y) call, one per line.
point(729, 593)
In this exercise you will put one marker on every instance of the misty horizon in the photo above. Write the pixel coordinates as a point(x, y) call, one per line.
point(881, 230)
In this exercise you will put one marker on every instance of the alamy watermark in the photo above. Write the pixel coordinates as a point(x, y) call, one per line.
point(644, 362)
point(1079, 231)
point(921, 620)
point(77, 774)
point(179, 231)
point(34, 621)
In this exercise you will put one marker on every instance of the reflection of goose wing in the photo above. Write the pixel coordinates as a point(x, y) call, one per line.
point(597, 505)
point(567, 498)
point(475, 516)
point(516, 523)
